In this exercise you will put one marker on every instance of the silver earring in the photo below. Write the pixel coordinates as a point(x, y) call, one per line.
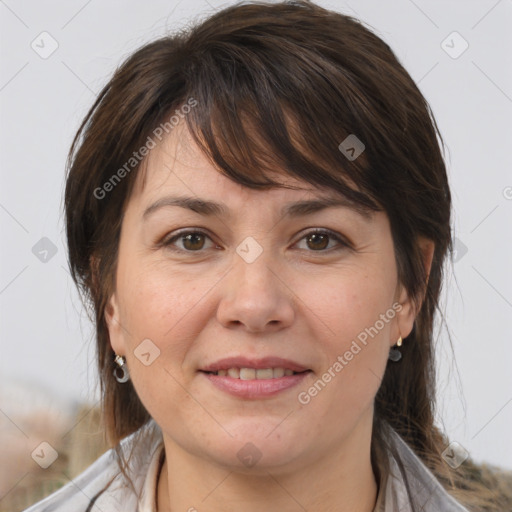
point(394, 354)
point(121, 371)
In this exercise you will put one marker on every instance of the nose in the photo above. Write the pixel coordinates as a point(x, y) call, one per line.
point(255, 297)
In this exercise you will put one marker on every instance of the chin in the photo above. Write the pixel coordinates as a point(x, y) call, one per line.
point(257, 446)
point(251, 459)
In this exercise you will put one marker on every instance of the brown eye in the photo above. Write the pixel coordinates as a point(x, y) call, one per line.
point(317, 241)
point(188, 241)
point(322, 241)
point(193, 241)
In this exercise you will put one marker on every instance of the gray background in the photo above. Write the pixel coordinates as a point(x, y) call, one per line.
point(45, 336)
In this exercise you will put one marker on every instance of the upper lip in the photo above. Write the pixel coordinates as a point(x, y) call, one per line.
point(245, 362)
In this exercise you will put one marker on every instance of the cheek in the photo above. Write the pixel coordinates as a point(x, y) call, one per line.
point(161, 307)
point(153, 300)
point(164, 306)
point(356, 316)
point(352, 303)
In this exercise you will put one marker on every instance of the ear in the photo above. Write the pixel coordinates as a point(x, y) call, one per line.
point(111, 311)
point(115, 330)
point(409, 308)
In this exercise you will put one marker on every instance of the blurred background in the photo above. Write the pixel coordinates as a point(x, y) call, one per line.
point(56, 56)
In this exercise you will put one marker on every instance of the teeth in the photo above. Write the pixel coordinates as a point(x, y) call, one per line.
point(278, 372)
point(234, 373)
point(266, 373)
point(253, 373)
point(247, 373)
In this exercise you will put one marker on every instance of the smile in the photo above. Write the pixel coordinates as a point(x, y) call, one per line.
point(249, 383)
point(255, 373)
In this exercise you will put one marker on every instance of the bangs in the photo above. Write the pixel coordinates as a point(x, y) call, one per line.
point(255, 146)
point(264, 110)
point(255, 141)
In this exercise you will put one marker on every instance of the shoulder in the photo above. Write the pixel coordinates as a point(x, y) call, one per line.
point(79, 492)
point(410, 480)
point(102, 486)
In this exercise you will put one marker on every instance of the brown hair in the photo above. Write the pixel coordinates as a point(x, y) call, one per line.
point(302, 78)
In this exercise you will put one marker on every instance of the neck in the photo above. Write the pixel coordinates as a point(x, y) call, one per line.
point(341, 481)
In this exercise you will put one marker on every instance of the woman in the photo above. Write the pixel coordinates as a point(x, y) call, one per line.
point(258, 210)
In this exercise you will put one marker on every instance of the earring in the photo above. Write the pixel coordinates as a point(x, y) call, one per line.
point(395, 354)
point(121, 371)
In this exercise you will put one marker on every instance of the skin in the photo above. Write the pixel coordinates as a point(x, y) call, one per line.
point(300, 299)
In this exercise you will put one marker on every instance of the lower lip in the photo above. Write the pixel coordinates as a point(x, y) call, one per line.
point(255, 388)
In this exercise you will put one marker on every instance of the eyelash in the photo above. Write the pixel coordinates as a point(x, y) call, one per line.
point(168, 243)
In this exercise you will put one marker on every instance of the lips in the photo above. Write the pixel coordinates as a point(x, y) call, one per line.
point(254, 389)
point(256, 364)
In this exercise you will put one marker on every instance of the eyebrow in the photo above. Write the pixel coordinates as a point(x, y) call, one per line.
point(295, 209)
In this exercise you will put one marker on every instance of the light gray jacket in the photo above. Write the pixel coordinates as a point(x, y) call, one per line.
point(101, 487)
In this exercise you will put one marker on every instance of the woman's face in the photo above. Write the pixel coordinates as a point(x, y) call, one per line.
point(253, 283)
